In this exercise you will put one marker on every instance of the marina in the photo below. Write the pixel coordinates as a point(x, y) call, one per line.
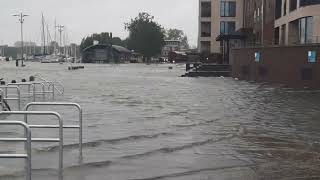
point(145, 122)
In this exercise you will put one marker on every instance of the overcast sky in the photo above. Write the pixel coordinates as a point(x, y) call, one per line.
point(84, 17)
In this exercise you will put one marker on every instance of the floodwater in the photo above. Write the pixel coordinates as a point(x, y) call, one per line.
point(144, 122)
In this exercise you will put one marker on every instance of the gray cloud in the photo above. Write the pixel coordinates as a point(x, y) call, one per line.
point(83, 17)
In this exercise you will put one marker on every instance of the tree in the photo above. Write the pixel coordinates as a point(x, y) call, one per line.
point(102, 38)
point(145, 35)
point(176, 34)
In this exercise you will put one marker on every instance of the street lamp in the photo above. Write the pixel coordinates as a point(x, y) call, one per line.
point(60, 29)
point(21, 20)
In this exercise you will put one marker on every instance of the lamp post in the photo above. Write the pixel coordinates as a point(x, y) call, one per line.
point(21, 20)
point(60, 29)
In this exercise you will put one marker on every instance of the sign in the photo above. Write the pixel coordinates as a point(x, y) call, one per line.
point(312, 56)
point(257, 56)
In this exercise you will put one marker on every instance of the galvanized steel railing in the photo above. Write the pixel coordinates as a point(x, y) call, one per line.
point(26, 140)
point(17, 98)
point(52, 83)
point(60, 126)
point(1, 99)
point(79, 126)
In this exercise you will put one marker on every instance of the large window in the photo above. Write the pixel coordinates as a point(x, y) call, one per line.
point(228, 9)
point(205, 9)
point(309, 2)
point(227, 27)
point(293, 5)
point(306, 30)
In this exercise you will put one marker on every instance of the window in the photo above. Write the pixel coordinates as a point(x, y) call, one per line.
point(306, 30)
point(293, 5)
point(205, 9)
point(227, 9)
point(278, 9)
point(276, 35)
point(227, 27)
point(309, 2)
point(283, 34)
point(285, 8)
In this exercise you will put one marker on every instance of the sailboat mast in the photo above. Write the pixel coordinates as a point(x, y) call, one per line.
point(44, 36)
point(55, 37)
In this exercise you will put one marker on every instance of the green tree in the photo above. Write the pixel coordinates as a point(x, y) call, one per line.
point(176, 34)
point(145, 35)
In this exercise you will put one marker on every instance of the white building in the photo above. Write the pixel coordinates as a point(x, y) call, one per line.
point(170, 46)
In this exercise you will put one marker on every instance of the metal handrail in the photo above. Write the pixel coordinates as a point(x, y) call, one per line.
point(1, 99)
point(34, 91)
point(43, 93)
point(27, 140)
point(18, 98)
point(22, 84)
point(50, 83)
point(79, 108)
point(60, 139)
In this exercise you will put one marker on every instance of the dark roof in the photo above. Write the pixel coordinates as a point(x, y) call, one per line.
point(240, 34)
point(103, 46)
point(121, 49)
point(98, 46)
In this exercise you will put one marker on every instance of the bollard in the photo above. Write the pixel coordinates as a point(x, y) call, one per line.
point(187, 67)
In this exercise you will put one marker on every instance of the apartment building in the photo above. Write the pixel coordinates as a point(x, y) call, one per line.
point(217, 17)
point(297, 22)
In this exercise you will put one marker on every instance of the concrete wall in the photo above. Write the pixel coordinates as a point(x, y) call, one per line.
point(278, 65)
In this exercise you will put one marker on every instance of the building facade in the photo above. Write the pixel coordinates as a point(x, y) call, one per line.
point(170, 46)
point(285, 48)
point(104, 53)
point(217, 17)
point(297, 22)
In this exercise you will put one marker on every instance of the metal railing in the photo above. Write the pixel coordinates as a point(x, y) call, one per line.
point(43, 92)
point(79, 126)
point(1, 99)
point(17, 98)
point(33, 91)
point(54, 84)
point(26, 140)
point(59, 140)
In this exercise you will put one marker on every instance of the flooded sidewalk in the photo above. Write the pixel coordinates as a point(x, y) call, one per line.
point(144, 122)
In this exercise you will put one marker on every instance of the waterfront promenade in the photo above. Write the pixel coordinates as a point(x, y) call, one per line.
point(145, 122)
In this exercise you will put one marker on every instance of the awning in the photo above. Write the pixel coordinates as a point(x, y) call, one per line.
point(242, 33)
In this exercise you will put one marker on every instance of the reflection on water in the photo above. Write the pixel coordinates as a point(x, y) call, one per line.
point(146, 122)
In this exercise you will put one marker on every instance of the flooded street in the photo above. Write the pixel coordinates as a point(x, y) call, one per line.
point(144, 122)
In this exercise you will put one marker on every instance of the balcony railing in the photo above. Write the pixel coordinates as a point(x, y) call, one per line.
point(205, 34)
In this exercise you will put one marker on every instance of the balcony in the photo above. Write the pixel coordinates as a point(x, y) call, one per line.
point(205, 9)
point(205, 29)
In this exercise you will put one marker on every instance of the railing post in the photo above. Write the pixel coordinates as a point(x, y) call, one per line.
point(1, 99)
point(27, 141)
point(34, 93)
point(79, 108)
point(25, 113)
point(53, 91)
